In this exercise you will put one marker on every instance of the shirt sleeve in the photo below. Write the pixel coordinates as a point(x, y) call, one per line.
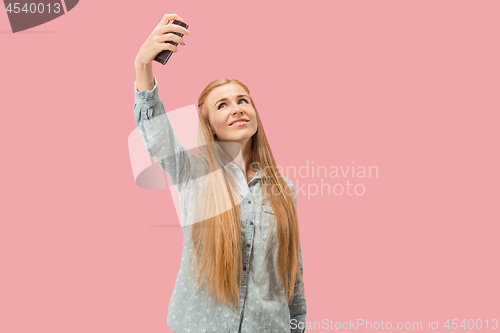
point(158, 135)
point(298, 309)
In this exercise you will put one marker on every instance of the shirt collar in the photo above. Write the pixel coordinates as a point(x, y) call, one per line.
point(236, 168)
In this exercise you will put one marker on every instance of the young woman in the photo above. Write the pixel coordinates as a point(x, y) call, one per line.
point(241, 268)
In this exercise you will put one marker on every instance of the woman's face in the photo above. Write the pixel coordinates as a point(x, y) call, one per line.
point(227, 105)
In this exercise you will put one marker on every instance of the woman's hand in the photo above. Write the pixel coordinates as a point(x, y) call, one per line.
point(155, 43)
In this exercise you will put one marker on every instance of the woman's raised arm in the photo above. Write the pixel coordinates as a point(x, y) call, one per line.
point(149, 113)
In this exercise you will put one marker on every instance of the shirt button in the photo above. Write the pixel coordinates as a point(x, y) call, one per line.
point(249, 202)
point(248, 245)
point(251, 222)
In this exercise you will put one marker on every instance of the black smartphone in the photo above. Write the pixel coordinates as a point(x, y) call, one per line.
point(164, 55)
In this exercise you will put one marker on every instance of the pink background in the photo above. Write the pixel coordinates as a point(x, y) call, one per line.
point(411, 87)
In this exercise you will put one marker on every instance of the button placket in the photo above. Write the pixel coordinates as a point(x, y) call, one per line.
point(249, 238)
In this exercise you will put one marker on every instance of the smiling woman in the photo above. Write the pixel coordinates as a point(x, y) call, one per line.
point(227, 106)
point(241, 267)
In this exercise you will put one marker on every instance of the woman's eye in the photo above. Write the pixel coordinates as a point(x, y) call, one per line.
point(221, 104)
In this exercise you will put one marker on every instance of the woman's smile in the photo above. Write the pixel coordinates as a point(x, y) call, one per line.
point(239, 123)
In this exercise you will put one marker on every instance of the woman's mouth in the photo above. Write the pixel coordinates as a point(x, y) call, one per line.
point(239, 123)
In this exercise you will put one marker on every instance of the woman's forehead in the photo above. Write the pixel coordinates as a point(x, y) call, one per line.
point(229, 90)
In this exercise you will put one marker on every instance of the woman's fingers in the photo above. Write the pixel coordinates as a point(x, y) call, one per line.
point(171, 37)
point(173, 28)
point(168, 32)
point(167, 17)
point(168, 46)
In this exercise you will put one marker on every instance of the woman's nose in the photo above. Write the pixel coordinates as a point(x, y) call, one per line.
point(237, 110)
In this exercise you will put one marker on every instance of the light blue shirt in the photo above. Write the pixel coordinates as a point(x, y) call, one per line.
point(263, 306)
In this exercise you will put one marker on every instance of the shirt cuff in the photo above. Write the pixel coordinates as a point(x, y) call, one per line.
point(150, 97)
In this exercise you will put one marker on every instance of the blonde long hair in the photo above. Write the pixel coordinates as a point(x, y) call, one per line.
point(217, 238)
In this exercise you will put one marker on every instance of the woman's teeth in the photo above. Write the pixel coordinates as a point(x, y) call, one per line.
point(238, 122)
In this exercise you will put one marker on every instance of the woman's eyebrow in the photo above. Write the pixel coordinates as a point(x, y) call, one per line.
point(225, 98)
